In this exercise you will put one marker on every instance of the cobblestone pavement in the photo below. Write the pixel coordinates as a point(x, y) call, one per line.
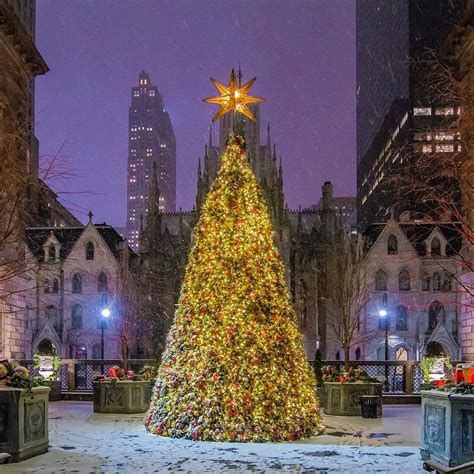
point(85, 442)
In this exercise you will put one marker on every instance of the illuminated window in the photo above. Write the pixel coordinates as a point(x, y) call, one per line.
point(444, 136)
point(444, 111)
point(152, 93)
point(444, 148)
point(136, 93)
point(422, 111)
point(427, 149)
point(423, 136)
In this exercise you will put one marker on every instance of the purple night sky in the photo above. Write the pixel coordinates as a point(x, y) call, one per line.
point(302, 52)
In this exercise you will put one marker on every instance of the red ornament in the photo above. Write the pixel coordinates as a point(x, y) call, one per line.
point(215, 377)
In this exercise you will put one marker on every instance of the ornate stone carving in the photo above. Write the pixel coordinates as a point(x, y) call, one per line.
point(435, 426)
point(34, 421)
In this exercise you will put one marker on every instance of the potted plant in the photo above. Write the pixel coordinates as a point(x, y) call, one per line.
point(48, 366)
point(23, 413)
point(121, 392)
point(447, 416)
point(344, 389)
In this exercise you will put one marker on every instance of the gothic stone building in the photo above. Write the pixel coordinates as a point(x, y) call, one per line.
point(299, 235)
point(76, 275)
point(413, 274)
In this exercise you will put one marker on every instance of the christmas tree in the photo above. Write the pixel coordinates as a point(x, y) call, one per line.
point(234, 368)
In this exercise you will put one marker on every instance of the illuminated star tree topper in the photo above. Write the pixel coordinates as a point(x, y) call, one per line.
point(233, 97)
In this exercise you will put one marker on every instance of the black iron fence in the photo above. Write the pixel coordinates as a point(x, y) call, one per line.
point(77, 375)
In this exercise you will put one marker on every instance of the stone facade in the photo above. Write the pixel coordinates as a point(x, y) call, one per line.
point(76, 276)
point(412, 272)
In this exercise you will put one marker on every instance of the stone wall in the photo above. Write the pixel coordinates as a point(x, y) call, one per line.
point(467, 317)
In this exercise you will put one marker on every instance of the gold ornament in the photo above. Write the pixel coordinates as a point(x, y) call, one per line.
point(233, 97)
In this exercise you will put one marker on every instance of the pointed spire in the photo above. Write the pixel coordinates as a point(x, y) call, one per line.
point(280, 169)
point(90, 215)
point(240, 75)
point(199, 170)
point(210, 137)
point(274, 152)
point(269, 143)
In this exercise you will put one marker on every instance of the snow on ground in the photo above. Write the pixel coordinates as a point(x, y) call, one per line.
point(86, 442)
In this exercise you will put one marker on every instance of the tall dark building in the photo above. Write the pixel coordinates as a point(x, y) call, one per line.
point(395, 40)
point(151, 141)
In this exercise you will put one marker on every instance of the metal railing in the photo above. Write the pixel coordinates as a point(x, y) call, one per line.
point(404, 377)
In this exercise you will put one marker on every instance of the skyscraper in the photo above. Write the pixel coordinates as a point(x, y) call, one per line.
point(394, 108)
point(150, 140)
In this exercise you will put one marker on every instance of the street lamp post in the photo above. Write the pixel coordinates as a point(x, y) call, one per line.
point(383, 314)
point(105, 313)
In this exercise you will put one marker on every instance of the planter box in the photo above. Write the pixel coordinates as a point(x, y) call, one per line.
point(121, 397)
point(447, 434)
point(24, 422)
point(55, 393)
point(321, 393)
point(343, 398)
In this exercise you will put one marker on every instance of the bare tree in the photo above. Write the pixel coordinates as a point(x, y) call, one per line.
point(438, 169)
point(349, 293)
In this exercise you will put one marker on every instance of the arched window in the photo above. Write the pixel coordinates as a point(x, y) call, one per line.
point(52, 316)
point(380, 281)
point(404, 280)
point(436, 282)
point(47, 289)
point(384, 300)
point(425, 282)
point(447, 282)
point(76, 316)
point(338, 355)
point(392, 245)
point(435, 246)
point(77, 283)
point(102, 283)
point(401, 318)
point(89, 251)
point(51, 253)
point(358, 353)
point(435, 314)
point(55, 286)
point(402, 353)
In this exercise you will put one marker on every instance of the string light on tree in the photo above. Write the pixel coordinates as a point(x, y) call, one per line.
point(234, 368)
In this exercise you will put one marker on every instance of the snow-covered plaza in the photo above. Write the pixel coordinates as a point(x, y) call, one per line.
point(86, 442)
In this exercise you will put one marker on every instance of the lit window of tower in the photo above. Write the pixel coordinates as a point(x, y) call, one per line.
point(151, 139)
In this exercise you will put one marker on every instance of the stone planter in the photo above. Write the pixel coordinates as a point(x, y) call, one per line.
point(343, 398)
point(447, 434)
point(321, 393)
point(121, 396)
point(24, 422)
point(55, 393)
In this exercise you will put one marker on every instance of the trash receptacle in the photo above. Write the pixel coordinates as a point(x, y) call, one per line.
point(368, 405)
